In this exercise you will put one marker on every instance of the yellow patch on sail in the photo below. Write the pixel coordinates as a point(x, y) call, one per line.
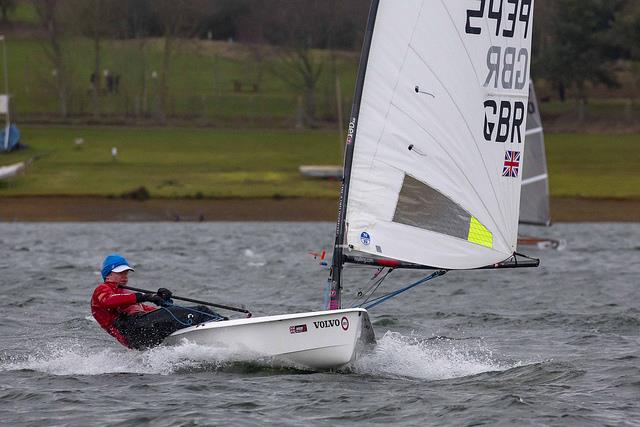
point(479, 234)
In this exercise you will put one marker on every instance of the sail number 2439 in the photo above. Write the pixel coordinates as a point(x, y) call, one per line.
point(517, 12)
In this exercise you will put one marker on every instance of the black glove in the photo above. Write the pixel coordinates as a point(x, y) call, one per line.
point(153, 298)
point(165, 294)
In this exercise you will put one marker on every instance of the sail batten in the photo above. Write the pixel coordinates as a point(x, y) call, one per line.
point(534, 179)
point(435, 176)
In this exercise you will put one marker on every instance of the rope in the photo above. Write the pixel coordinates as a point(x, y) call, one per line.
point(213, 316)
point(189, 322)
point(376, 281)
point(383, 298)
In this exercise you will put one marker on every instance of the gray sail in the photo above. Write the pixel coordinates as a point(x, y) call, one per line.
point(534, 199)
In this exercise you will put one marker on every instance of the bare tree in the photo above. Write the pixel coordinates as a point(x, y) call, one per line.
point(6, 6)
point(98, 20)
point(139, 27)
point(49, 14)
point(299, 29)
point(178, 18)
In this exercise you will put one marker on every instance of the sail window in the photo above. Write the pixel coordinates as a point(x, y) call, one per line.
point(479, 234)
point(422, 206)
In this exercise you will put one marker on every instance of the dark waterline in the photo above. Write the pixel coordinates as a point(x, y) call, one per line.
point(556, 345)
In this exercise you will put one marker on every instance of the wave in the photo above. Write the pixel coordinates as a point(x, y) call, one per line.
point(256, 260)
point(396, 355)
point(65, 358)
point(621, 322)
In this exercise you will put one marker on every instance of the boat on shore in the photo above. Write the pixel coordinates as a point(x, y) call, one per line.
point(11, 170)
point(322, 172)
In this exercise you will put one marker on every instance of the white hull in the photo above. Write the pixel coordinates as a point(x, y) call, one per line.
point(317, 340)
point(321, 171)
point(541, 243)
point(11, 170)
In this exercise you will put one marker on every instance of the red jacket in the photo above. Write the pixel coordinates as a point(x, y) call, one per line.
point(108, 302)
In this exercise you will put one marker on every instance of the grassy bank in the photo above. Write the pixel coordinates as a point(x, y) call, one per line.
point(587, 165)
point(173, 162)
point(194, 163)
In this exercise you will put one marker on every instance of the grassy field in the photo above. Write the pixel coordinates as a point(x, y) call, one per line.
point(202, 84)
point(177, 162)
point(587, 165)
point(24, 12)
point(202, 80)
point(173, 162)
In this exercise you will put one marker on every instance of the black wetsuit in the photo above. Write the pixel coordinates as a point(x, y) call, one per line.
point(144, 330)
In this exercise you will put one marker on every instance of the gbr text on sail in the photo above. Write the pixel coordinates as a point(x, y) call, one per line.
point(507, 23)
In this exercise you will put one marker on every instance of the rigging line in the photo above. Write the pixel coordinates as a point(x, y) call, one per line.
point(367, 297)
point(362, 294)
point(363, 297)
point(390, 295)
point(189, 322)
point(379, 300)
point(532, 131)
point(370, 291)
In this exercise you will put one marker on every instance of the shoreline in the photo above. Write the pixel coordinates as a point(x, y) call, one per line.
point(103, 209)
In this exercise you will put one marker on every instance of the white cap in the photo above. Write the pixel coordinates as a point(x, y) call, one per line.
point(121, 268)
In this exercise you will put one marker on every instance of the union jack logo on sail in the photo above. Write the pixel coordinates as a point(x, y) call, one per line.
point(511, 164)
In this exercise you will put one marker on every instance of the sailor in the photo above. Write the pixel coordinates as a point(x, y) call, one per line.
point(122, 313)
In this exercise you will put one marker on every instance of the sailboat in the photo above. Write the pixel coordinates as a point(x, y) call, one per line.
point(432, 168)
point(534, 201)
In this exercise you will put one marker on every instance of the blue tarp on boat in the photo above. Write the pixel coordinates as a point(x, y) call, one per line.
point(13, 141)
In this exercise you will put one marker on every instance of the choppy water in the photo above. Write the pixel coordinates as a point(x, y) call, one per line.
point(558, 345)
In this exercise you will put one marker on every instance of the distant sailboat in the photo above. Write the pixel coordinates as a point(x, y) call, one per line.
point(534, 200)
point(431, 170)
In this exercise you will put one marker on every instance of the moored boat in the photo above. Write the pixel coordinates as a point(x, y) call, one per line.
point(11, 170)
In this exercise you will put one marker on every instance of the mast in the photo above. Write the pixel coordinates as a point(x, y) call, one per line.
point(335, 276)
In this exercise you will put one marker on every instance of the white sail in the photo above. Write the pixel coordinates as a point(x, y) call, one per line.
point(534, 202)
point(443, 103)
